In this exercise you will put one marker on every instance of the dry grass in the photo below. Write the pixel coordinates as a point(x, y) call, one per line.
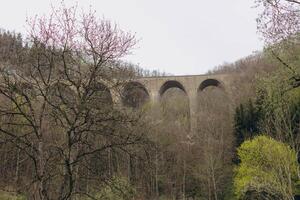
point(10, 196)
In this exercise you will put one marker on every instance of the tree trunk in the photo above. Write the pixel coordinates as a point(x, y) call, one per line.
point(17, 167)
point(39, 191)
point(183, 179)
point(214, 184)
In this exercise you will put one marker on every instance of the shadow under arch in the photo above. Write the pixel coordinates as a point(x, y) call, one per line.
point(210, 82)
point(61, 93)
point(171, 84)
point(100, 95)
point(175, 106)
point(211, 99)
point(134, 94)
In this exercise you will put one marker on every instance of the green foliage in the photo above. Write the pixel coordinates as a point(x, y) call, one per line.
point(280, 107)
point(118, 189)
point(246, 119)
point(285, 55)
point(229, 192)
point(268, 170)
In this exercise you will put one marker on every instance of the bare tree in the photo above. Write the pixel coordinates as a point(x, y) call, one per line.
point(57, 110)
point(214, 143)
point(279, 19)
point(279, 23)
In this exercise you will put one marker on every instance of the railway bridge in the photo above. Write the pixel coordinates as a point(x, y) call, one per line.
point(192, 85)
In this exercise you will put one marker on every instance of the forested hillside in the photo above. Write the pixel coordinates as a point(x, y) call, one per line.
point(63, 136)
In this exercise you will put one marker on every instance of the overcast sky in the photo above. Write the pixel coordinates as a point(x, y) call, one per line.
point(176, 36)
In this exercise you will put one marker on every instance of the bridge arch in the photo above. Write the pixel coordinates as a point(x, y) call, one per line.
point(175, 105)
point(210, 82)
point(61, 93)
point(98, 94)
point(134, 94)
point(171, 84)
point(101, 95)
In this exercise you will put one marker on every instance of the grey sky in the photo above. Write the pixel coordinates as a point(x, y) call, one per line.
point(176, 36)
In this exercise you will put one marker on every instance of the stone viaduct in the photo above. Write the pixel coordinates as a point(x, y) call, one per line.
point(191, 85)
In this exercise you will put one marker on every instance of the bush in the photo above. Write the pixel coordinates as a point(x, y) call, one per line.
point(118, 189)
point(268, 170)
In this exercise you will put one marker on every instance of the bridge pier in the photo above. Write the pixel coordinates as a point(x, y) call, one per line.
point(193, 112)
point(154, 97)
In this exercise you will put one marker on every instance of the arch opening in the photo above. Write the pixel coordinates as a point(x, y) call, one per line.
point(170, 84)
point(175, 107)
point(135, 95)
point(209, 83)
point(100, 96)
point(212, 104)
point(62, 94)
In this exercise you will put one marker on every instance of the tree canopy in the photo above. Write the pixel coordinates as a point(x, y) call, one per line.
point(268, 170)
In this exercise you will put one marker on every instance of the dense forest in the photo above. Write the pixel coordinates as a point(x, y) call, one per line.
point(63, 136)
